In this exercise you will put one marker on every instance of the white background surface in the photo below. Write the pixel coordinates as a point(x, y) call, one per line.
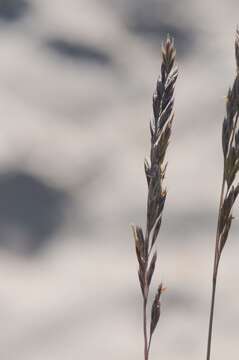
point(79, 123)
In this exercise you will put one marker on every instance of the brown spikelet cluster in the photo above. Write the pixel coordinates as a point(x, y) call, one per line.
point(230, 186)
point(230, 145)
point(155, 168)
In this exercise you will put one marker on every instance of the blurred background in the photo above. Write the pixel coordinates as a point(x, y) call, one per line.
point(76, 83)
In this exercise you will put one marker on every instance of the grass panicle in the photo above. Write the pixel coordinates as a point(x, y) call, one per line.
point(230, 186)
point(155, 168)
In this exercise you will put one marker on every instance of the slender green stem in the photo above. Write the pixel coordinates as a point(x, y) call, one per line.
point(217, 253)
point(215, 268)
point(211, 317)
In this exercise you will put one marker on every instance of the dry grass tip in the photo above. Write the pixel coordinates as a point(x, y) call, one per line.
point(155, 168)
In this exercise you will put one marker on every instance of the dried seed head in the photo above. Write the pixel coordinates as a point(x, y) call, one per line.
point(230, 144)
point(155, 169)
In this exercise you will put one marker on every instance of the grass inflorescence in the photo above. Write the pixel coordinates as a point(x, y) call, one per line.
point(230, 186)
point(155, 169)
